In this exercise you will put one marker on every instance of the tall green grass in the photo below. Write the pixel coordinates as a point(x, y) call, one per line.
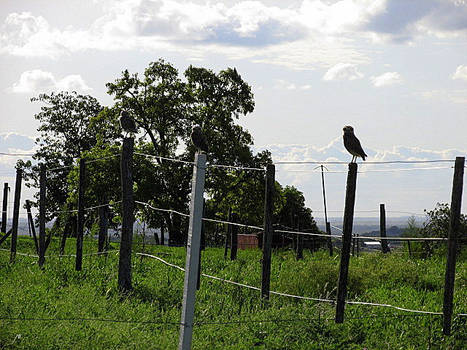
point(73, 306)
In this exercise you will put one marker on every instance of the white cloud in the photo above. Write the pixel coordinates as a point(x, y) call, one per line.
point(38, 81)
point(460, 73)
point(386, 79)
point(343, 71)
point(286, 85)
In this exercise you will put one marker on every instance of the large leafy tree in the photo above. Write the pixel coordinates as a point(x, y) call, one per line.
point(65, 133)
point(165, 107)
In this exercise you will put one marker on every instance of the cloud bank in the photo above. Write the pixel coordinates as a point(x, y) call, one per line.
point(304, 35)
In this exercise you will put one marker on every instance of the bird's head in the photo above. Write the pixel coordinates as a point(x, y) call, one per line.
point(196, 127)
point(348, 129)
point(124, 114)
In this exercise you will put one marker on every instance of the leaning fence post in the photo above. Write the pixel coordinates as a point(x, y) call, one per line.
point(14, 233)
point(268, 230)
point(124, 267)
point(299, 252)
point(227, 233)
point(80, 225)
point(234, 238)
point(192, 253)
point(42, 207)
point(103, 226)
point(328, 231)
point(31, 225)
point(382, 229)
point(346, 241)
point(454, 227)
point(5, 206)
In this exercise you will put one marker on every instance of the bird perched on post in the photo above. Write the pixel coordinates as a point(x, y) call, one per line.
point(127, 123)
point(352, 144)
point(198, 139)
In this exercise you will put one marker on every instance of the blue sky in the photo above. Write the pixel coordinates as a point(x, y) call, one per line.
point(394, 69)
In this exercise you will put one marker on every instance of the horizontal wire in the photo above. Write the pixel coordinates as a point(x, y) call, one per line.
point(232, 223)
point(234, 167)
point(89, 208)
point(61, 319)
point(164, 210)
point(363, 171)
point(310, 234)
point(164, 158)
point(370, 162)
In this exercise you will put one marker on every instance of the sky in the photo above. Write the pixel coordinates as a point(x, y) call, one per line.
point(395, 70)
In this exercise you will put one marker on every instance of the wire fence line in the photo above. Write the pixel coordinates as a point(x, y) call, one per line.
point(362, 171)
point(299, 296)
point(369, 162)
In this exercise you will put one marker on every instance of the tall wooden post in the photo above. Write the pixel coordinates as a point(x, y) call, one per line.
point(299, 253)
point(42, 208)
point(358, 244)
point(103, 227)
point(228, 233)
point(346, 241)
point(80, 224)
point(382, 229)
point(454, 228)
point(14, 233)
point(5, 207)
point(268, 231)
point(234, 238)
point(31, 225)
point(124, 267)
point(328, 231)
point(193, 251)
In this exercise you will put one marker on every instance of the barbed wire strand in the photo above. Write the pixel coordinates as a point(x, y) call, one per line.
point(164, 158)
point(363, 171)
point(164, 210)
point(235, 167)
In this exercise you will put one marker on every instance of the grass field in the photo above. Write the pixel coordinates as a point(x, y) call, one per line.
point(59, 308)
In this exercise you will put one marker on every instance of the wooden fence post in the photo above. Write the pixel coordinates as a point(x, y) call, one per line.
point(268, 231)
point(80, 225)
point(14, 233)
point(228, 233)
point(346, 241)
point(5, 207)
point(124, 267)
point(299, 253)
point(234, 238)
point(382, 229)
point(103, 227)
point(454, 227)
point(328, 231)
point(31, 225)
point(353, 245)
point(42, 208)
point(358, 244)
point(193, 251)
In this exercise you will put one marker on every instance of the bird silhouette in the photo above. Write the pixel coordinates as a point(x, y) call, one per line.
point(198, 139)
point(127, 123)
point(352, 144)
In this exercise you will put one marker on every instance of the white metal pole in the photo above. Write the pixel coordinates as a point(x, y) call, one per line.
point(192, 253)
